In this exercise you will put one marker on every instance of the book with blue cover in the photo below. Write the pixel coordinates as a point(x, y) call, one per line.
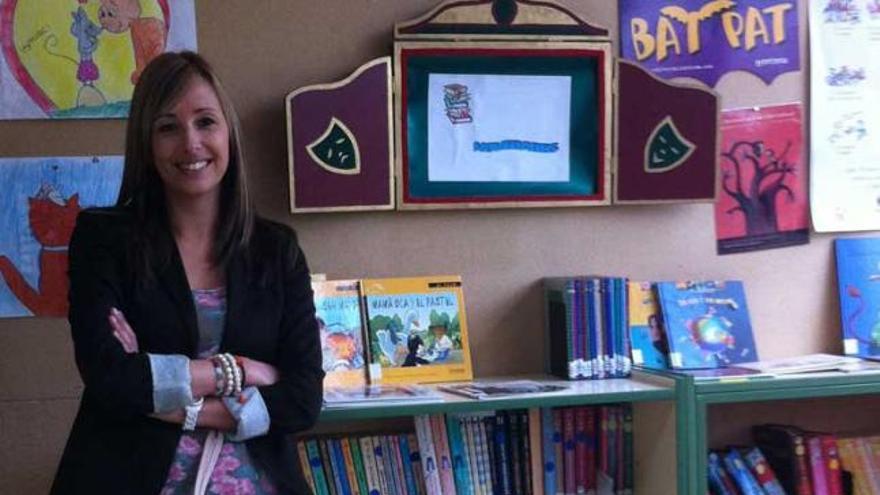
point(707, 323)
point(649, 346)
point(858, 283)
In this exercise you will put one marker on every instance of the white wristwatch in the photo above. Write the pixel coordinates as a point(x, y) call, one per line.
point(192, 414)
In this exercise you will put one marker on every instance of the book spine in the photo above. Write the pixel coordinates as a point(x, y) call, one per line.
point(559, 447)
point(329, 467)
point(369, 457)
point(594, 339)
point(568, 442)
point(406, 462)
point(304, 464)
point(628, 451)
point(488, 422)
point(502, 463)
point(381, 465)
point(513, 448)
point(358, 458)
point(459, 455)
point(817, 465)
point(581, 483)
point(349, 466)
point(313, 450)
point(525, 451)
point(619, 454)
point(872, 477)
point(576, 361)
point(719, 481)
point(339, 468)
point(763, 473)
point(394, 459)
point(444, 457)
point(469, 433)
point(737, 468)
point(416, 459)
point(549, 438)
point(428, 455)
point(602, 462)
point(832, 464)
point(802, 467)
point(483, 461)
point(536, 449)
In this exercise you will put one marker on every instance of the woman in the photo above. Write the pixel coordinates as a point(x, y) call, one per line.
point(192, 320)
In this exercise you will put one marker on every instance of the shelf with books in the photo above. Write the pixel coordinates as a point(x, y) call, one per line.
point(694, 396)
point(641, 387)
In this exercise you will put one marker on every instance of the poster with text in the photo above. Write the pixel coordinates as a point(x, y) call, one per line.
point(763, 199)
point(38, 208)
point(705, 39)
point(498, 128)
point(844, 121)
point(79, 59)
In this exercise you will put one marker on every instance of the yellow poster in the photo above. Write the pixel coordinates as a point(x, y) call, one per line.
point(73, 59)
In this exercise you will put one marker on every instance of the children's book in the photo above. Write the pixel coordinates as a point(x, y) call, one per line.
point(649, 346)
point(417, 329)
point(379, 394)
point(707, 323)
point(340, 322)
point(490, 390)
point(858, 284)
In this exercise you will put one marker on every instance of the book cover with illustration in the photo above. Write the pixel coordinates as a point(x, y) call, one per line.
point(707, 323)
point(417, 329)
point(650, 348)
point(858, 284)
point(340, 322)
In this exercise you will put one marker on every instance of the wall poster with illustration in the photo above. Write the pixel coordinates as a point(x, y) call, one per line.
point(65, 59)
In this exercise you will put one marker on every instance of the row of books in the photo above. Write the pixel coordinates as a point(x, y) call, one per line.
point(742, 471)
point(517, 452)
point(392, 330)
point(586, 326)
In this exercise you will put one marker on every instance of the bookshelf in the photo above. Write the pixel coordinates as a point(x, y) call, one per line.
point(695, 396)
point(654, 419)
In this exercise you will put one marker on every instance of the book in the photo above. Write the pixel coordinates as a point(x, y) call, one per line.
point(350, 472)
point(719, 479)
point(785, 449)
point(801, 364)
point(549, 437)
point(459, 453)
point(500, 445)
point(535, 470)
point(369, 457)
point(428, 453)
point(649, 346)
point(568, 446)
point(740, 472)
point(832, 466)
point(417, 329)
point(852, 460)
point(304, 464)
point(340, 323)
point(329, 470)
point(360, 472)
point(382, 473)
point(318, 476)
point(379, 394)
point(817, 465)
point(442, 451)
point(707, 323)
point(763, 472)
point(406, 460)
point(858, 269)
point(489, 390)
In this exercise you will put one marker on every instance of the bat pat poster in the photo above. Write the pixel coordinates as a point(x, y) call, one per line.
point(705, 39)
point(74, 59)
point(763, 198)
point(38, 209)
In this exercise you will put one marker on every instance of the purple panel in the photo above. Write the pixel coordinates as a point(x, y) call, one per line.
point(644, 102)
point(362, 106)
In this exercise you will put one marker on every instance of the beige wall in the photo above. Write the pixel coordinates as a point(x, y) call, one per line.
point(266, 48)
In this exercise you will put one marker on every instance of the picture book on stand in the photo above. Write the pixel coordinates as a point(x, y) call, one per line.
point(858, 284)
point(707, 323)
point(417, 329)
point(650, 348)
point(340, 322)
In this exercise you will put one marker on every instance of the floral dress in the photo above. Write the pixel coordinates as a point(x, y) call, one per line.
point(235, 472)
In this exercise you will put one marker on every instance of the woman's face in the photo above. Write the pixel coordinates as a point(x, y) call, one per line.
point(191, 143)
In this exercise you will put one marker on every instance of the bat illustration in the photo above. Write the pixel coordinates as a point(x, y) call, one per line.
point(692, 19)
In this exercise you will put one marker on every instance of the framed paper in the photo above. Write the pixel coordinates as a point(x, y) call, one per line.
point(502, 124)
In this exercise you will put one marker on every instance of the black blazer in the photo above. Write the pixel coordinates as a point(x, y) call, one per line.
point(114, 447)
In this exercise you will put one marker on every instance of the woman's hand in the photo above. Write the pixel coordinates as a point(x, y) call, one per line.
point(122, 331)
point(258, 373)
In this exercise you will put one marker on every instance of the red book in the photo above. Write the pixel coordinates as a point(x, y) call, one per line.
point(832, 464)
point(580, 450)
point(568, 447)
point(786, 451)
point(817, 465)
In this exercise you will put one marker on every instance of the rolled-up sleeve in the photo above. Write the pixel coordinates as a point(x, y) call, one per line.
point(251, 416)
point(172, 382)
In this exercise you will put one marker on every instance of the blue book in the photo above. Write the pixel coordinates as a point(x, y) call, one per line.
point(460, 461)
point(858, 273)
point(740, 472)
point(719, 481)
point(548, 450)
point(406, 459)
point(338, 460)
point(707, 324)
point(317, 466)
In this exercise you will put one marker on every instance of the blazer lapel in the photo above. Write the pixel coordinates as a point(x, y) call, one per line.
point(173, 280)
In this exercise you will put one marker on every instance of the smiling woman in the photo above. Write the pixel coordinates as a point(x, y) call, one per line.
point(193, 319)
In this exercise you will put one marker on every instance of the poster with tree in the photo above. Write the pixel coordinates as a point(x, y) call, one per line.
point(763, 198)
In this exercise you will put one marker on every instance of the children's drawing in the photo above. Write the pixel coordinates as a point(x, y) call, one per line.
point(874, 9)
point(849, 129)
point(841, 11)
point(36, 220)
point(845, 76)
point(65, 59)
